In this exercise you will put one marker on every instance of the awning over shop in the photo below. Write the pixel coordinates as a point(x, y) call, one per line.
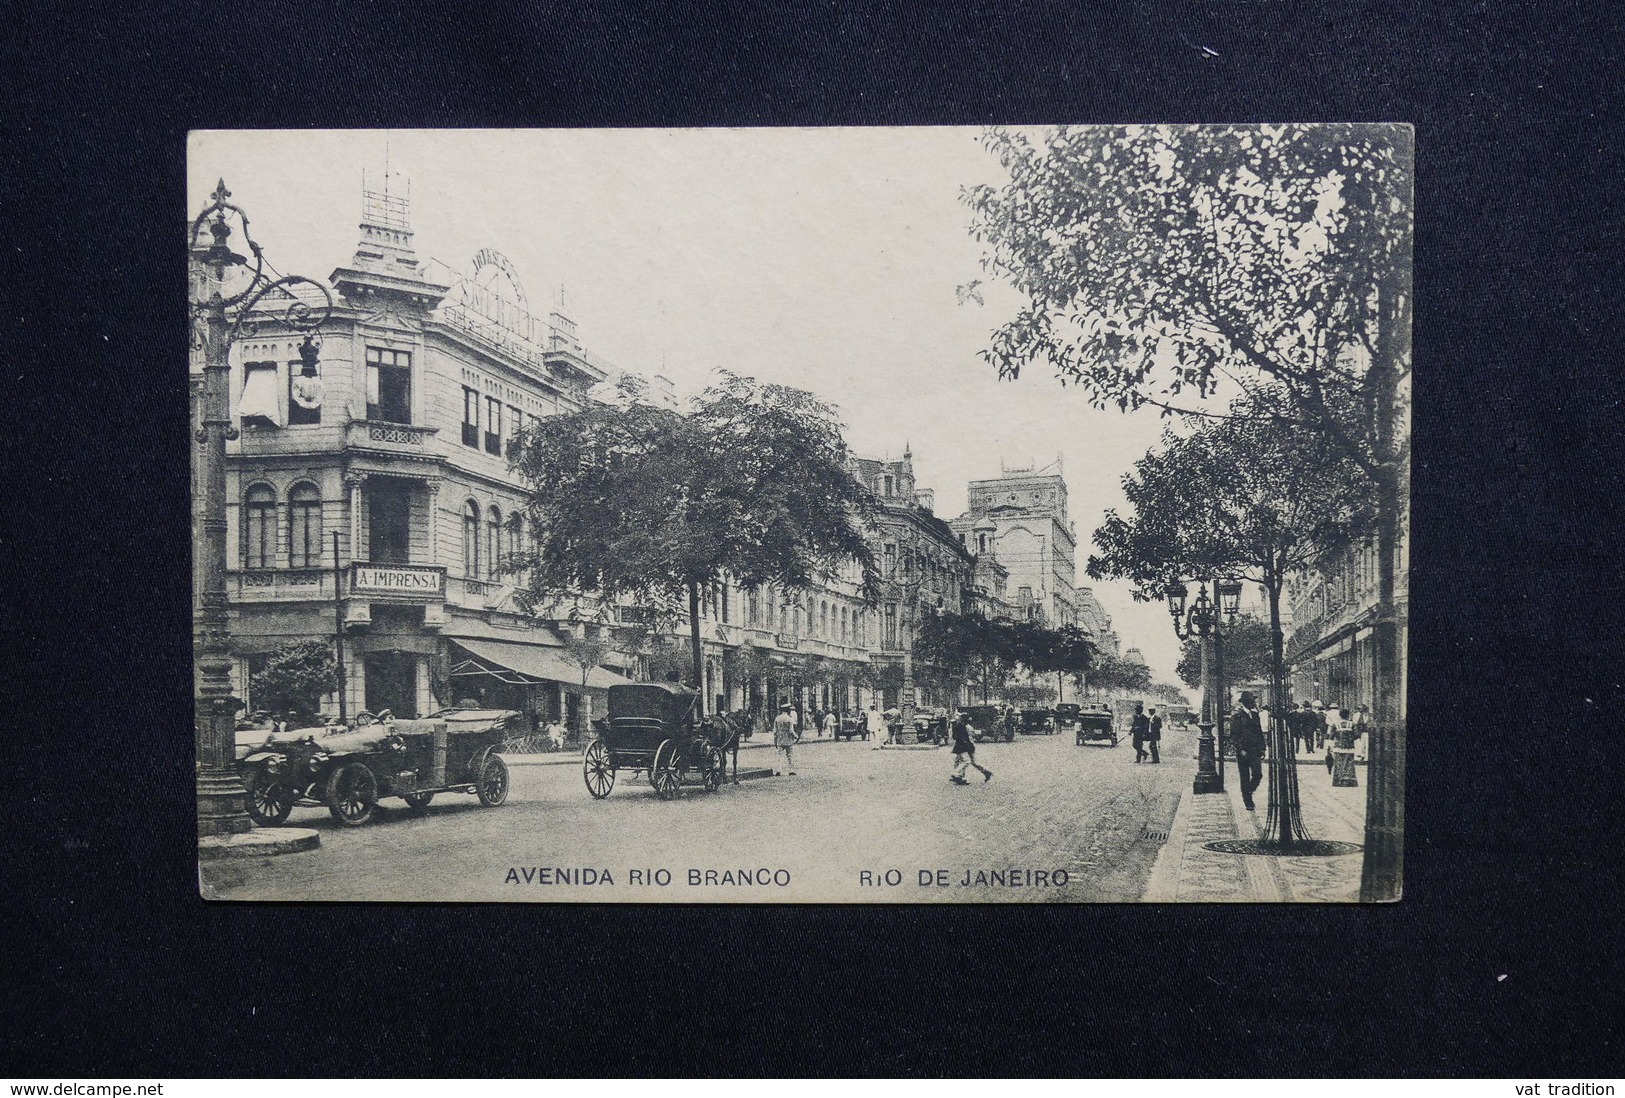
point(526, 663)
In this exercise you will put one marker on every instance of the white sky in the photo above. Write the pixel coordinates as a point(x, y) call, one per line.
point(822, 258)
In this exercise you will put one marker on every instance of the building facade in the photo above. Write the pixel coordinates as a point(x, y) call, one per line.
point(1329, 649)
point(371, 502)
point(370, 497)
point(1031, 536)
point(924, 569)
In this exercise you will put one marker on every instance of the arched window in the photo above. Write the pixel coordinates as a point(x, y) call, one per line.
point(304, 526)
point(493, 548)
point(471, 540)
point(843, 625)
point(259, 527)
point(516, 536)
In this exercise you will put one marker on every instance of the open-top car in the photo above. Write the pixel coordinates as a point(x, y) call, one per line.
point(651, 728)
point(349, 768)
point(931, 725)
point(851, 728)
point(987, 723)
point(1094, 724)
point(1036, 721)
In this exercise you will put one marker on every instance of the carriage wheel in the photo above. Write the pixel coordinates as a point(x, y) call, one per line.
point(492, 784)
point(269, 802)
point(417, 801)
point(716, 770)
point(351, 794)
point(665, 775)
point(597, 771)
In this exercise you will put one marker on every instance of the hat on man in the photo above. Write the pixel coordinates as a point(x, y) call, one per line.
point(1249, 698)
point(784, 707)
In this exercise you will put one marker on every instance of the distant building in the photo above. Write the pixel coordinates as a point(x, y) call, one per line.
point(1020, 518)
point(924, 569)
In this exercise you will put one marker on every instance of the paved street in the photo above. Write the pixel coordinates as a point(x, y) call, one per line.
point(1084, 816)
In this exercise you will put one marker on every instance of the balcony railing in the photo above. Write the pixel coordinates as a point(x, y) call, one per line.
point(369, 434)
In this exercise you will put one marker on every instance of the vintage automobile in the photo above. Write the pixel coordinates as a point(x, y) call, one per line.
point(650, 728)
point(1094, 724)
point(349, 768)
point(1067, 714)
point(987, 723)
point(1036, 721)
point(931, 725)
point(851, 728)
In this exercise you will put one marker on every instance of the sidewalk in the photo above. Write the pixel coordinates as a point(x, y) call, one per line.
point(1186, 872)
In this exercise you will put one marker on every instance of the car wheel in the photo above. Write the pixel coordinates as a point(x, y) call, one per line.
point(351, 794)
point(269, 802)
point(492, 784)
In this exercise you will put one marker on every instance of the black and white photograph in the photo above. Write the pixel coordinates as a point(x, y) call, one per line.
point(1007, 514)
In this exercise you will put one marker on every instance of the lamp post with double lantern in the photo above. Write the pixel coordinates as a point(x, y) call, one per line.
point(228, 292)
point(1207, 619)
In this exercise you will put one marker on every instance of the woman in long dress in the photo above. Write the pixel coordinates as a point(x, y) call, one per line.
point(1342, 750)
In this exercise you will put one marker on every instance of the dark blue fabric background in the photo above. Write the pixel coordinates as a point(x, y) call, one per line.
point(114, 965)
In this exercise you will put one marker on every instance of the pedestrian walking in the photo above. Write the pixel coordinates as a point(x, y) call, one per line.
point(1247, 733)
point(1342, 752)
point(872, 724)
point(1301, 723)
point(1154, 735)
point(832, 723)
point(965, 753)
point(785, 738)
point(555, 734)
point(1139, 732)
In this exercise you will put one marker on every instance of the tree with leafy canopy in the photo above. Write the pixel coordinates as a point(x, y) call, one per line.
point(629, 499)
point(1164, 265)
point(1252, 497)
point(1246, 654)
point(980, 648)
point(295, 677)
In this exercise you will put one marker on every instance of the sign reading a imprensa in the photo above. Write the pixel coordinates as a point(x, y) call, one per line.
point(395, 579)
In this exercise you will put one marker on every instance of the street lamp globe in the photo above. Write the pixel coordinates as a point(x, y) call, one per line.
point(1176, 595)
point(1230, 596)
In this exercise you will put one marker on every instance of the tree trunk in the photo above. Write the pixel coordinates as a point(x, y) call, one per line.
point(1382, 872)
point(1284, 823)
point(694, 646)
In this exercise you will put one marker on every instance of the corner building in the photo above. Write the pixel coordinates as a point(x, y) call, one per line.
point(374, 499)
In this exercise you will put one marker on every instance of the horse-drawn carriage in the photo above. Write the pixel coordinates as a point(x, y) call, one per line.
point(651, 728)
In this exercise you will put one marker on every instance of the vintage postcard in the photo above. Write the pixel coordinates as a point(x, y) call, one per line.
point(893, 515)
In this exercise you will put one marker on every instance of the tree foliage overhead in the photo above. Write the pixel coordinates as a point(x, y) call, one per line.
point(1163, 264)
point(295, 677)
point(634, 500)
point(1254, 497)
point(1247, 654)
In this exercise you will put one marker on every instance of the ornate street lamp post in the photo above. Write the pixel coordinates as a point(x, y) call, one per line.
point(219, 313)
point(1208, 620)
